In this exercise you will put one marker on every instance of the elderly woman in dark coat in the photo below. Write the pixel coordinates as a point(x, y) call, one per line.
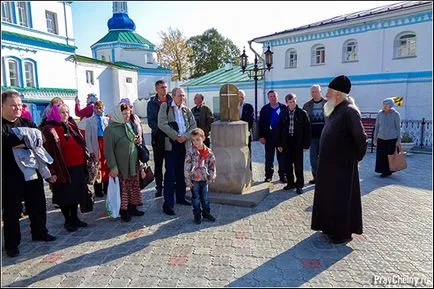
point(67, 147)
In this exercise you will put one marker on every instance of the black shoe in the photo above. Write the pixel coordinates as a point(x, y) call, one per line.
point(289, 187)
point(312, 182)
point(168, 211)
point(12, 253)
point(197, 219)
point(184, 202)
point(383, 175)
point(299, 191)
point(80, 223)
point(46, 238)
point(70, 227)
point(125, 216)
point(267, 180)
point(132, 210)
point(159, 193)
point(209, 217)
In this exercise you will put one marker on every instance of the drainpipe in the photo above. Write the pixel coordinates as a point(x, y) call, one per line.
point(66, 23)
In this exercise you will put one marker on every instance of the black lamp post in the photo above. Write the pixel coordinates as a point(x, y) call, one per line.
point(257, 73)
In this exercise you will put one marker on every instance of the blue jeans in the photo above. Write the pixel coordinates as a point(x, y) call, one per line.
point(199, 195)
point(314, 152)
point(174, 177)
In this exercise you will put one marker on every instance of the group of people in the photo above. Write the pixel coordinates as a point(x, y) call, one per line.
point(330, 127)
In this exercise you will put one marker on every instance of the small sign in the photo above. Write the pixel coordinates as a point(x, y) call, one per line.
point(398, 100)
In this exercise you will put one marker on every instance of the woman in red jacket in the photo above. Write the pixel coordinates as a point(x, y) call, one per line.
point(67, 147)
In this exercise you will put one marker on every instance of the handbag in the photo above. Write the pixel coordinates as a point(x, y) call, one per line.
point(149, 177)
point(92, 169)
point(397, 161)
point(143, 153)
point(87, 205)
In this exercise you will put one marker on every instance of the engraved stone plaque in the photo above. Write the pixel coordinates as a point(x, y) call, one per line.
point(229, 103)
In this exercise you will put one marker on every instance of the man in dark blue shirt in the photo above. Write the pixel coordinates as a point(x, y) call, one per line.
point(267, 133)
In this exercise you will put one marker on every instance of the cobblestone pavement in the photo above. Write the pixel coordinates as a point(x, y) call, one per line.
point(269, 245)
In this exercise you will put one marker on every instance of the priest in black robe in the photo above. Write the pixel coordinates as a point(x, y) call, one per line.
point(337, 208)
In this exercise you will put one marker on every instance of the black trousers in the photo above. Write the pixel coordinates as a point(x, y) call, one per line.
point(14, 190)
point(293, 162)
point(158, 167)
point(270, 148)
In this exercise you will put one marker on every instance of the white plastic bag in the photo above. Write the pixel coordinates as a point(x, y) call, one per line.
point(113, 200)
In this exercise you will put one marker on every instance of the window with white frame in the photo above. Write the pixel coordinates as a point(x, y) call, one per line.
point(350, 51)
point(51, 18)
point(89, 77)
point(129, 80)
point(23, 13)
point(13, 73)
point(291, 58)
point(29, 71)
point(318, 54)
point(405, 44)
point(7, 11)
point(150, 59)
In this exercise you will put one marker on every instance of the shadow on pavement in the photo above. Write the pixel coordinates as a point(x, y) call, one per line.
point(297, 265)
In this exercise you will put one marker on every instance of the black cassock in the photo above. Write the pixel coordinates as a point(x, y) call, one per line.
point(337, 208)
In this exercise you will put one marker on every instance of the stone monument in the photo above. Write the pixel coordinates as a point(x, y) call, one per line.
point(229, 140)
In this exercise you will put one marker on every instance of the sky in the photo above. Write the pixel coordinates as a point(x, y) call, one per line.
point(237, 20)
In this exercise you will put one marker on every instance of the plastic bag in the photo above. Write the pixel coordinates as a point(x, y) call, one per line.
point(113, 200)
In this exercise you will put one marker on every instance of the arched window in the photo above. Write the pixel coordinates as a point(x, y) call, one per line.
point(29, 74)
point(405, 44)
point(318, 54)
point(291, 58)
point(350, 51)
point(13, 73)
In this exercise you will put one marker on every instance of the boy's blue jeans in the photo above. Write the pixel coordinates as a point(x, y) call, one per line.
point(199, 194)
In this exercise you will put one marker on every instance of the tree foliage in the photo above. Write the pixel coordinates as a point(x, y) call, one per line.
point(211, 51)
point(174, 53)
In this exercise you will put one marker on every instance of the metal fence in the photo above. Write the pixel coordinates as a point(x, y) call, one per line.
point(419, 130)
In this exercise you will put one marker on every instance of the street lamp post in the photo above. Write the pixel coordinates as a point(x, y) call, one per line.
point(257, 73)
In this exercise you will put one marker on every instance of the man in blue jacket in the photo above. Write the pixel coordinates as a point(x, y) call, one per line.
point(267, 132)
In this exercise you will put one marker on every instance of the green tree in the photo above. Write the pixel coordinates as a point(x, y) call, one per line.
point(174, 53)
point(211, 50)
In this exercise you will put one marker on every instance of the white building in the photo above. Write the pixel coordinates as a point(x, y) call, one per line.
point(124, 47)
point(386, 51)
point(37, 37)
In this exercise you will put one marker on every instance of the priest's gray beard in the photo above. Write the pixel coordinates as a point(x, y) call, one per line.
point(329, 107)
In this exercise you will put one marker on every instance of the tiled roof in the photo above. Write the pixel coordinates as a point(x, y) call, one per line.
point(81, 58)
point(124, 36)
point(221, 75)
point(352, 16)
point(126, 64)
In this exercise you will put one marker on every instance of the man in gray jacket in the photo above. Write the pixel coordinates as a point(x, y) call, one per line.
point(315, 111)
point(177, 121)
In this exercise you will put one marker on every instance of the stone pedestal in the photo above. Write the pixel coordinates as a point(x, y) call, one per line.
point(229, 144)
point(233, 185)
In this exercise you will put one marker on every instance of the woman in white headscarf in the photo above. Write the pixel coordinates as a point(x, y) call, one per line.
point(122, 159)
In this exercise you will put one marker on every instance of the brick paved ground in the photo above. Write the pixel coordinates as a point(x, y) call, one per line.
point(269, 245)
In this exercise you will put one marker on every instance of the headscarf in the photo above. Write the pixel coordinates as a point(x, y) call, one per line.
point(92, 98)
point(125, 100)
point(54, 114)
point(117, 115)
point(389, 101)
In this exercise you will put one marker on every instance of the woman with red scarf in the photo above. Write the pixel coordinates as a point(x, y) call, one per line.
point(67, 147)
